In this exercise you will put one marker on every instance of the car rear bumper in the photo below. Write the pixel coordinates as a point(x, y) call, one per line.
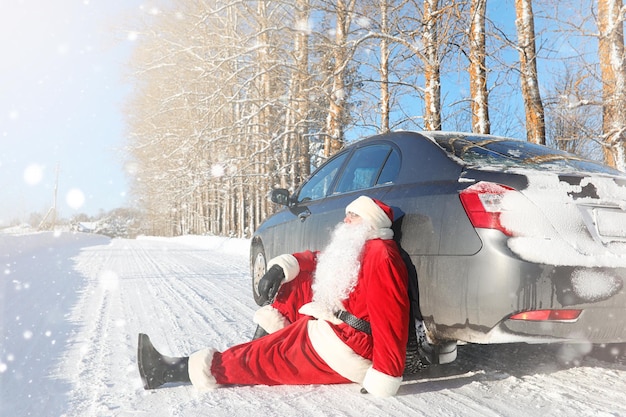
point(471, 298)
point(596, 324)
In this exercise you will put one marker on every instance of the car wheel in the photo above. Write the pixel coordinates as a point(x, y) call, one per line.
point(415, 361)
point(259, 267)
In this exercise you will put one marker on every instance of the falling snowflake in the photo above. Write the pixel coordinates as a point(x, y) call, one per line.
point(217, 171)
point(33, 174)
point(75, 198)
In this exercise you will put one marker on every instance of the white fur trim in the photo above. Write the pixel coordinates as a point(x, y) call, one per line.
point(200, 370)
point(380, 384)
point(270, 319)
point(288, 263)
point(339, 356)
point(319, 311)
point(384, 233)
point(366, 208)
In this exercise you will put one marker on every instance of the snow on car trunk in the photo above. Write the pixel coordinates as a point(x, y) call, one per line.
point(568, 220)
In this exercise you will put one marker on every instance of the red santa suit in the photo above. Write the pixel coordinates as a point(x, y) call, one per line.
point(307, 343)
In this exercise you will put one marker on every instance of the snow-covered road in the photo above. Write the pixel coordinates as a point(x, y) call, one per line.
point(71, 306)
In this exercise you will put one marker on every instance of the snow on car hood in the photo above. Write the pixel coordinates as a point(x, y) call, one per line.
point(560, 221)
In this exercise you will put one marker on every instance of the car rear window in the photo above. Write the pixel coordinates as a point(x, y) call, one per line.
point(503, 152)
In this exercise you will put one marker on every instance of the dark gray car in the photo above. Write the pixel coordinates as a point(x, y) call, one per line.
point(511, 241)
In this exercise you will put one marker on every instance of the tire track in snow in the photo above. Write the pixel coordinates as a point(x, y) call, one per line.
point(178, 279)
point(101, 373)
point(162, 289)
point(107, 371)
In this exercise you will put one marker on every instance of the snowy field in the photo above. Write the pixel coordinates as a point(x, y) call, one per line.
point(71, 306)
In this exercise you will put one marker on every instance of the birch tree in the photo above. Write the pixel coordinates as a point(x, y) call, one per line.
point(573, 114)
point(385, 94)
point(297, 119)
point(613, 68)
point(478, 68)
point(385, 43)
point(535, 119)
point(432, 89)
point(334, 139)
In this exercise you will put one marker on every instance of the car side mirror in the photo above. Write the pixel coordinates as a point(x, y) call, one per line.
point(281, 196)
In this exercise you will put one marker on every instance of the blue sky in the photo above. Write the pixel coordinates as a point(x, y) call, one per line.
point(61, 104)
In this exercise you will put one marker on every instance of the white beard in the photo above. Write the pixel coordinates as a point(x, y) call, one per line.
point(339, 264)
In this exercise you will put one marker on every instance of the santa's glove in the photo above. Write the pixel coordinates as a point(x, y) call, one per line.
point(270, 283)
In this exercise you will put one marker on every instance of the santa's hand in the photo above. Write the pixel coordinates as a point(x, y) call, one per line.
point(270, 283)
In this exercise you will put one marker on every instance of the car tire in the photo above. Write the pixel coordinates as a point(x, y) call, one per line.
point(259, 267)
point(415, 361)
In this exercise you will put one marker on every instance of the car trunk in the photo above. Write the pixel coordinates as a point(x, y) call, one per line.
point(569, 220)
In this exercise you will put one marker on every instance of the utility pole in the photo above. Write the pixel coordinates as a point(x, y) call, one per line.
point(52, 212)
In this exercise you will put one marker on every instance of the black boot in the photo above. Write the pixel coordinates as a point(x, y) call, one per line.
point(156, 369)
point(260, 332)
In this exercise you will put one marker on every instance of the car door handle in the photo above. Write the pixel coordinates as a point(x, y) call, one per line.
point(303, 216)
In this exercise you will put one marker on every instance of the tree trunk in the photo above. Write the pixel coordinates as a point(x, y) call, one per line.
point(535, 121)
point(432, 94)
point(478, 69)
point(297, 155)
point(384, 68)
point(611, 54)
point(337, 104)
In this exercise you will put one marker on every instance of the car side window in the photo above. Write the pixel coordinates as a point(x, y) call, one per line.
point(391, 169)
point(365, 168)
point(319, 184)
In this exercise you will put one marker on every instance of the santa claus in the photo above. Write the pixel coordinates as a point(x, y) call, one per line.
point(339, 316)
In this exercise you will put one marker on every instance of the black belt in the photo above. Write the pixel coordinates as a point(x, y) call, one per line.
point(354, 322)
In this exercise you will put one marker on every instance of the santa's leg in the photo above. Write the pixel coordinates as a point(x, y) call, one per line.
point(156, 369)
point(284, 308)
point(285, 357)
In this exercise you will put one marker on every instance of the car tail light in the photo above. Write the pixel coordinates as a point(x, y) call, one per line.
point(483, 204)
point(547, 315)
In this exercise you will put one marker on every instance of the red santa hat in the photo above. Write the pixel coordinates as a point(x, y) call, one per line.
point(375, 212)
